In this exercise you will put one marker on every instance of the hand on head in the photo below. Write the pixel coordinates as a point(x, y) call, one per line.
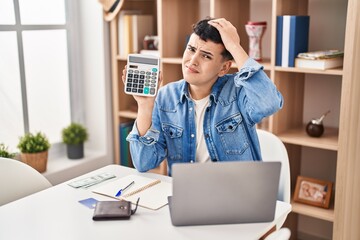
point(228, 33)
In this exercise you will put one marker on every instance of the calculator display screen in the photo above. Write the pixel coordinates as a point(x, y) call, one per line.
point(143, 60)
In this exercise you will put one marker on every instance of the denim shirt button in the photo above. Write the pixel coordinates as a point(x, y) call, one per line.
point(190, 109)
point(192, 135)
point(148, 138)
point(192, 161)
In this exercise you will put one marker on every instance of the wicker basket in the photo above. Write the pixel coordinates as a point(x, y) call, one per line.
point(36, 160)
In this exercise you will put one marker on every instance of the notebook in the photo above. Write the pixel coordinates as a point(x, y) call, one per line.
point(224, 192)
point(153, 193)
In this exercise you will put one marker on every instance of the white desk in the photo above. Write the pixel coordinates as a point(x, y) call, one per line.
point(56, 214)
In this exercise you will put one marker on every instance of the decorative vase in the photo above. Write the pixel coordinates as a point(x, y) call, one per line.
point(36, 160)
point(255, 31)
point(315, 127)
point(75, 151)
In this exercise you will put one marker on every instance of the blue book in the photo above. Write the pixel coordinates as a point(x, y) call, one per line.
point(279, 30)
point(124, 130)
point(292, 38)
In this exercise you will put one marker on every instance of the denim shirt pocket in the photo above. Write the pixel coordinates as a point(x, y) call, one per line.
point(173, 135)
point(232, 134)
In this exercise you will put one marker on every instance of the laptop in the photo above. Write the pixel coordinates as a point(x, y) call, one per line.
point(224, 192)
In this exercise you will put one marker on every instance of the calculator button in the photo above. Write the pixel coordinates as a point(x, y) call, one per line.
point(140, 91)
point(146, 90)
point(154, 70)
point(128, 84)
point(141, 81)
point(136, 80)
point(152, 91)
point(135, 85)
point(136, 75)
point(130, 71)
point(141, 86)
point(129, 80)
point(128, 89)
point(134, 90)
point(142, 76)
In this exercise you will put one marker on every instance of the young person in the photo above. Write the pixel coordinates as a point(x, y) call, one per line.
point(209, 115)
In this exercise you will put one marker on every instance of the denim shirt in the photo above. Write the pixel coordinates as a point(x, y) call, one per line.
point(237, 102)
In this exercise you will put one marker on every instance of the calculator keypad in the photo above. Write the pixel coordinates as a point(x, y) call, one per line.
point(142, 82)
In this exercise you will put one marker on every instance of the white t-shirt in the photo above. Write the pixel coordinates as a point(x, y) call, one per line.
point(202, 154)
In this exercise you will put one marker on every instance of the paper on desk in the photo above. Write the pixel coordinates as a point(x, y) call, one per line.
point(153, 193)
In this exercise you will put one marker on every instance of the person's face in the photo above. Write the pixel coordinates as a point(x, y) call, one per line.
point(202, 62)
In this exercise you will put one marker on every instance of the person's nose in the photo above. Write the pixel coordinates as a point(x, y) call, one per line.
point(194, 60)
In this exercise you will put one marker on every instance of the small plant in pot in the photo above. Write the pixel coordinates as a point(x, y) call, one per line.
point(74, 137)
point(34, 150)
point(4, 152)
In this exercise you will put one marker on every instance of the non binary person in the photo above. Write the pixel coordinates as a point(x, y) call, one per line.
point(209, 115)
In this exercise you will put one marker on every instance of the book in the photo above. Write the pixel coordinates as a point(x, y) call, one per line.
point(292, 36)
point(322, 64)
point(124, 130)
point(153, 193)
point(279, 30)
point(124, 28)
point(322, 54)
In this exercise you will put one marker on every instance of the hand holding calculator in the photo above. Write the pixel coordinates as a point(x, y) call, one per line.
point(142, 75)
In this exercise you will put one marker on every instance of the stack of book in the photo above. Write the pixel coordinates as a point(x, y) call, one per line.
point(322, 60)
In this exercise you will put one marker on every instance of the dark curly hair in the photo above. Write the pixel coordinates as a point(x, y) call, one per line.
point(207, 32)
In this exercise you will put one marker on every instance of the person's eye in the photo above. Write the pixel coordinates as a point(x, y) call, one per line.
point(191, 49)
point(206, 56)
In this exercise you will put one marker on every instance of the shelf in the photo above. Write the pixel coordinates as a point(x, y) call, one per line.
point(294, 83)
point(128, 114)
point(265, 62)
point(315, 212)
point(172, 60)
point(334, 71)
point(328, 141)
point(121, 58)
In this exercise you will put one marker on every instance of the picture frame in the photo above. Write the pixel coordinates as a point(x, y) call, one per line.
point(313, 191)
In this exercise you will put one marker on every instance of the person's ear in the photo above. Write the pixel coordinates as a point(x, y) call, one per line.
point(225, 68)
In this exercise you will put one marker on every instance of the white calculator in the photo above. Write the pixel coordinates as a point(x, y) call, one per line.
point(142, 75)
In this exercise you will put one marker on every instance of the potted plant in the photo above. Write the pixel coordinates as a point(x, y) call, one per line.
point(34, 150)
point(74, 137)
point(4, 152)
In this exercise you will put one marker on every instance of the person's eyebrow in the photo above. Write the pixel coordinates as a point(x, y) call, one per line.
point(206, 52)
point(203, 51)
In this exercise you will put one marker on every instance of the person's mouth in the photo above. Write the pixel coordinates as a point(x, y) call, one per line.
point(192, 70)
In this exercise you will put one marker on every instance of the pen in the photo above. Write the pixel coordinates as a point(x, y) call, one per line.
point(123, 189)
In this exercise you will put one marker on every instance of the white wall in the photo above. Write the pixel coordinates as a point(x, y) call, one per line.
point(95, 74)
